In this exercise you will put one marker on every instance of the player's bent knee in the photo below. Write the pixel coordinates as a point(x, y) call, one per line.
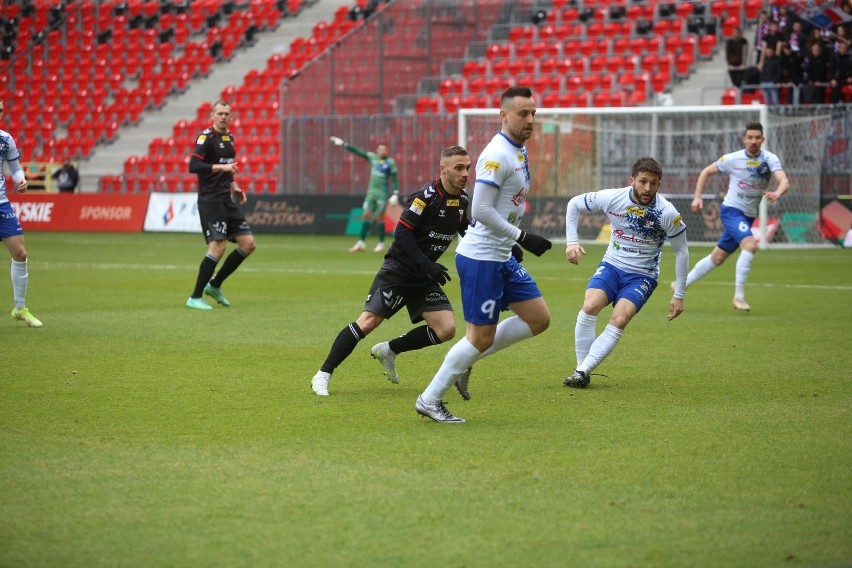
point(539, 322)
point(539, 326)
point(445, 333)
point(592, 308)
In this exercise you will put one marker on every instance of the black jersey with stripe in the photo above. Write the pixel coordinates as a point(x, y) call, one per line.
point(214, 148)
point(434, 217)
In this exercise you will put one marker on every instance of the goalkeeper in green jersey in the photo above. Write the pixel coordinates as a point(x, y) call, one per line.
point(382, 169)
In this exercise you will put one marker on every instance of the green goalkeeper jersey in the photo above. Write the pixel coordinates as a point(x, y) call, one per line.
point(381, 171)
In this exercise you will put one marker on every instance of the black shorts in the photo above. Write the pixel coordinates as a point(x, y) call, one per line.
point(391, 291)
point(222, 220)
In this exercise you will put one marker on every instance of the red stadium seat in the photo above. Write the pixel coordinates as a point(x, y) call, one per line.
point(622, 45)
point(706, 46)
point(752, 8)
point(500, 66)
point(472, 68)
point(684, 9)
point(519, 33)
point(729, 97)
point(498, 50)
point(548, 65)
point(427, 105)
point(451, 86)
point(476, 85)
point(574, 83)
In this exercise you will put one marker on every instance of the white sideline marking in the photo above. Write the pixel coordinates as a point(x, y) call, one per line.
point(108, 266)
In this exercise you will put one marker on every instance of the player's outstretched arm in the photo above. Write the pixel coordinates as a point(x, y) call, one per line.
point(347, 146)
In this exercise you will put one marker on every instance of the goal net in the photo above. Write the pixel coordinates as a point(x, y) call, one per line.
point(574, 151)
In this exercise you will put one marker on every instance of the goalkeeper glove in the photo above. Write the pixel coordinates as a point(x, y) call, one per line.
point(536, 244)
point(337, 141)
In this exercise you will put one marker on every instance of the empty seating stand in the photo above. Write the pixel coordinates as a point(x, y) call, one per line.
point(165, 166)
point(593, 53)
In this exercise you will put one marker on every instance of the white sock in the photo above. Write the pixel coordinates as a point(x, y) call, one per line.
point(584, 334)
point(459, 359)
point(509, 331)
point(601, 348)
point(700, 270)
point(743, 268)
point(19, 283)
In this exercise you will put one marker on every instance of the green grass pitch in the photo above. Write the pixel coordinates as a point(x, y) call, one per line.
point(136, 432)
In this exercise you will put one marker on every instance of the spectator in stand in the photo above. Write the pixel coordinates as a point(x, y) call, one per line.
point(841, 37)
point(814, 75)
point(840, 72)
point(791, 72)
point(776, 15)
point(736, 56)
point(773, 40)
point(761, 29)
point(66, 177)
point(815, 36)
point(796, 37)
point(827, 39)
point(770, 74)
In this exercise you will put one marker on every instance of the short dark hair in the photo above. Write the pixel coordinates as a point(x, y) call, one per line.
point(515, 91)
point(646, 164)
point(451, 151)
point(754, 126)
point(221, 102)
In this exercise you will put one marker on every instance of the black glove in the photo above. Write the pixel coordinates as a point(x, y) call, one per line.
point(536, 244)
point(438, 273)
point(518, 253)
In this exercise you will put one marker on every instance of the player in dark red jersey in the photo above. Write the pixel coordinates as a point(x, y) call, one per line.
point(219, 198)
point(410, 275)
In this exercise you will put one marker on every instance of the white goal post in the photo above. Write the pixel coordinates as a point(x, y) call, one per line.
point(576, 150)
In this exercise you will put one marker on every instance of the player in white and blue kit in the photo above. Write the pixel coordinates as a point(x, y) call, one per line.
point(11, 232)
point(491, 278)
point(641, 222)
point(750, 171)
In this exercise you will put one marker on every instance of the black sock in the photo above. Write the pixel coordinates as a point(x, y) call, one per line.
point(417, 338)
point(205, 272)
point(343, 345)
point(232, 261)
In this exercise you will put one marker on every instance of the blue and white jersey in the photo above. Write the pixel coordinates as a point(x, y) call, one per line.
point(749, 178)
point(503, 165)
point(8, 153)
point(638, 231)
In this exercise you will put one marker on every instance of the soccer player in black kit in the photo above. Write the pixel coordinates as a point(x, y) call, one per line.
point(410, 275)
point(219, 198)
